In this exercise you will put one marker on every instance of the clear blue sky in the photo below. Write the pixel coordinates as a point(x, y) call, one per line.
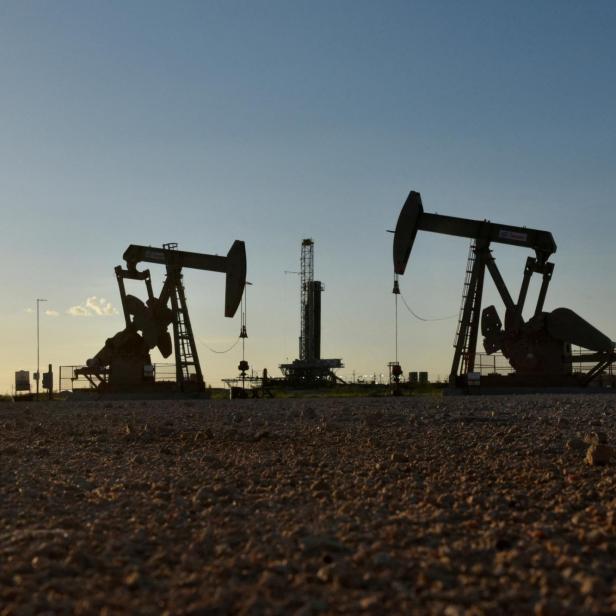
point(203, 122)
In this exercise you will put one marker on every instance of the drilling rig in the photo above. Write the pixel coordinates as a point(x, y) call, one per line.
point(310, 370)
point(539, 348)
point(124, 364)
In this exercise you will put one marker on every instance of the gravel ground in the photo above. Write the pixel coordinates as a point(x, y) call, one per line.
point(418, 505)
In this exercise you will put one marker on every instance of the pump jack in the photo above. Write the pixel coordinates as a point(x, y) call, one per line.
point(539, 349)
point(124, 362)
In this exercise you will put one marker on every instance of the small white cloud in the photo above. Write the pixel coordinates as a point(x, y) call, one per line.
point(52, 313)
point(93, 306)
point(77, 311)
point(29, 310)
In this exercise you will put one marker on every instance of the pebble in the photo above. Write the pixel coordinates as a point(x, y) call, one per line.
point(598, 455)
point(370, 602)
point(595, 438)
point(399, 458)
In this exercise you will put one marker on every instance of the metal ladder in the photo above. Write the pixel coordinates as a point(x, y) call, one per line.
point(187, 360)
point(185, 351)
point(470, 262)
point(465, 329)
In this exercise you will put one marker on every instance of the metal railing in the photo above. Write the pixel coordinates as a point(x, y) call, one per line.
point(492, 364)
point(497, 364)
point(70, 380)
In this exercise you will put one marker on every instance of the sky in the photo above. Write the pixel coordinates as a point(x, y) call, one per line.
point(273, 121)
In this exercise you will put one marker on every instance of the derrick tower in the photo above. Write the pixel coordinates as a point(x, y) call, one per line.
point(310, 370)
point(310, 305)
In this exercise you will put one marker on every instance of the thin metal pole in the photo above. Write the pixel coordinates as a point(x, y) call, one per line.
point(243, 330)
point(396, 292)
point(396, 303)
point(38, 346)
point(243, 310)
point(38, 350)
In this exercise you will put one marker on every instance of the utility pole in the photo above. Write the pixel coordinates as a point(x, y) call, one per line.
point(38, 346)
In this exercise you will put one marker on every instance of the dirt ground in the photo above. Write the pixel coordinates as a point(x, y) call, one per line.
point(417, 505)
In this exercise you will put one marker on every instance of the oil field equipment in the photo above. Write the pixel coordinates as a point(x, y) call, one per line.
point(538, 349)
point(22, 381)
point(310, 370)
point(395, 372)
point(238, 385)
point(124, 363)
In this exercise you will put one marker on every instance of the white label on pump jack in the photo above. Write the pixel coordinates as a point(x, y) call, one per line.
point(512, 235)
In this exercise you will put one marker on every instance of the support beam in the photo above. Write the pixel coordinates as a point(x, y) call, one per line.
point(528, 272)
point(547, 276)
point(501, 287)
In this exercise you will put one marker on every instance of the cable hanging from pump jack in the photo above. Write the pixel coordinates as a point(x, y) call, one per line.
point(243, 335)
point(411, 311)
point(209, 348)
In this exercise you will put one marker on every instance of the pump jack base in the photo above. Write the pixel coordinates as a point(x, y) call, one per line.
point(511, 384)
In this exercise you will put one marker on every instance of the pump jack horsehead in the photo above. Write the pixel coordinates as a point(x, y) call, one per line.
point(538, 349)
point(124, 362)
